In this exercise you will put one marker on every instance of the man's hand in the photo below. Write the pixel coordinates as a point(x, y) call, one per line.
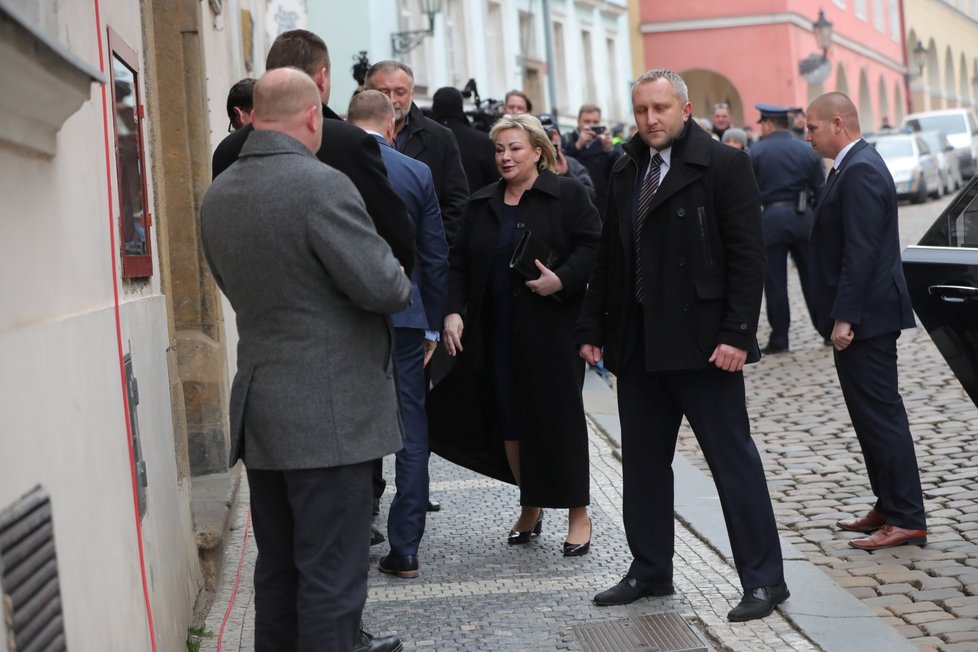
point(606, 142)
point(429, 350)
point(547, 284)
point(728, 358)
point(561, 163)
point(591, 353)
point(584, 138)
point(842, 334)
point(453, 333)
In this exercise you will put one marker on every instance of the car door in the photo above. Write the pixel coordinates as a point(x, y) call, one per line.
point(942, 276)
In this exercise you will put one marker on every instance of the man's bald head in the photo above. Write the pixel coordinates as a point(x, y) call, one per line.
point(372, 110)
point(287, 100)
point(833, 123)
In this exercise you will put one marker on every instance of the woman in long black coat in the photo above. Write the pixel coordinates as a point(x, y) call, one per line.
point(512, 407)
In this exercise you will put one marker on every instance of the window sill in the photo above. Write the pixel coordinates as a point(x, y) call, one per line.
point(43, 84)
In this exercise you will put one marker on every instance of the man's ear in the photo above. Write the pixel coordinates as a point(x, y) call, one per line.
point(312, 123)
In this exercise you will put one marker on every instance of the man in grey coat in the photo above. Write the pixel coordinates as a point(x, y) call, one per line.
point(291, 245)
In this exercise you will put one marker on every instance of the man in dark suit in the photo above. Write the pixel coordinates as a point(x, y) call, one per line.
point(423, 139)
point(311, 283)
point(674, 300)
point(862, 307)
point(345, 147)
point(788, 173)
point(416, 330)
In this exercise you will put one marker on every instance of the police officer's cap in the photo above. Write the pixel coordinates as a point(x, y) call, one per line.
point(771, 111)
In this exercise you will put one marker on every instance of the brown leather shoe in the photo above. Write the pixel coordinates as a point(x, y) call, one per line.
point(871, 522)
point(889, 536)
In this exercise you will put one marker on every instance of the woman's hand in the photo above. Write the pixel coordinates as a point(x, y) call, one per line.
point(453, 334)
point(547, 284)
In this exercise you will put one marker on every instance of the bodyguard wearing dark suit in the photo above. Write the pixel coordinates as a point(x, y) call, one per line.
point(291, 245)
point(788, 172)
point(416, 329)
point(863, 305)
point(345, 147)
point(676, 313)
point(423, 139)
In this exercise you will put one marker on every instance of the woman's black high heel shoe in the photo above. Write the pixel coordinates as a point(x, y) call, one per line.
point(578, 549)
point(516, 538)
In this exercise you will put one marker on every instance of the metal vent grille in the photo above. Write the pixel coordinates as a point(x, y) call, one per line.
point(29, 576)
point(664, 632)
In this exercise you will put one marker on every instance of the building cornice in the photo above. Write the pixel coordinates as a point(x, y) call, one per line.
point(764, 20)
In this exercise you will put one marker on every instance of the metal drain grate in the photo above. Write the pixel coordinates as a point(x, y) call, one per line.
point(663, 632)
point(29, 576)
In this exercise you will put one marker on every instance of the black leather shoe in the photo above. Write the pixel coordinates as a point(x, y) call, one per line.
point(433, 506)
point(375, 536)
point(406, 566)
point(759, 602)
point(367, 643)
point(516, 538)
point(770, 349)
point(630, 589)
point(576, 549)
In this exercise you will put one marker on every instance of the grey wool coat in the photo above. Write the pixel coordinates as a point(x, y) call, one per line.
point(291, 245)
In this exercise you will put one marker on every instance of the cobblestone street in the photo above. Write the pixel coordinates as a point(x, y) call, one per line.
point(476, 592)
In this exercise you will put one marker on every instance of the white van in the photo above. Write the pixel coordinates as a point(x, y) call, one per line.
point(961, 128)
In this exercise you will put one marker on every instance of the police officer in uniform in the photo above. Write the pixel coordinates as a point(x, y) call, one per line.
point(788, 174)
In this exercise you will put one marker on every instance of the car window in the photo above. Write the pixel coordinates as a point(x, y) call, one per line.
point(894, 147)
point(958, 225)
point(950, 124)
point(922, 146)
point(931, 140)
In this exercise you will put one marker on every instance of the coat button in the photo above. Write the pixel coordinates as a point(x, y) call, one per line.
point(516, 293)
point(681, 212)
point(743, 327)
point(685, 307)
point(520, 225)
point(682, 262)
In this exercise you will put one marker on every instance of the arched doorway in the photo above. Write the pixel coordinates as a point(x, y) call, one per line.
point(883, 102)
point(964, 84)
point(933, 78)
point(867, 117)
point(841, 82)
point(707, 88)
point(950, 84)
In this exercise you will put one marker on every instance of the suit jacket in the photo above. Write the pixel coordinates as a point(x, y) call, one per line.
point(435, 146)
point(412, 182)
point(858, 271)
point(352, 152)
point(290, 243)
point(703, 257)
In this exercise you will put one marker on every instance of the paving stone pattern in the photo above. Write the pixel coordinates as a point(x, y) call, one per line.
point(816, 474)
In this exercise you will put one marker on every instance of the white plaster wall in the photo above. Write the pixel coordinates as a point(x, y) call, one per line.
point(61, 393)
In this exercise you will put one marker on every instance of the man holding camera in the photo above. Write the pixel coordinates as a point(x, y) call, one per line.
point(591, 144)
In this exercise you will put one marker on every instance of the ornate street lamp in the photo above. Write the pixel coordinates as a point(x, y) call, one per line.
point(919, 57)
point(815, 69)
point(823, 33)
point(404, 42)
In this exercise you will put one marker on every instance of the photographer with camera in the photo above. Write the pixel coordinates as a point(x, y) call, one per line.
point(591, 145)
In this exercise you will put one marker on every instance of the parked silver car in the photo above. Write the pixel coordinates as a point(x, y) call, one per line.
point(910, 161)
point(961, 128)
point(947, 160)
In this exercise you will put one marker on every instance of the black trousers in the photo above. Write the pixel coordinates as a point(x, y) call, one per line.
point(312, 528)
point(776, 287)
point(868, 376)
point(651, 407)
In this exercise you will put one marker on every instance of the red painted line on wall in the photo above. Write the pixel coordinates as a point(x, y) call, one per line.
point(118, 328)
point(237, 580)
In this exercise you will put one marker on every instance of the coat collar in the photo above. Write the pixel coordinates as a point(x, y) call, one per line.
point(547, 182)
point(691, 153)
point(266, 143)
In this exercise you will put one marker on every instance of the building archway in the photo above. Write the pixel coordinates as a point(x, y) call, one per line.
point(951, 96)
point(883, 102)
point(898, 104)
point(964, 84)
point(707, 88)
point(933, 77)
point(841, 82)
point(867, 117)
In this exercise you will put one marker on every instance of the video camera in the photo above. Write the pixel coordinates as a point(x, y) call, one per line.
point(486, 112)
point(361, 67)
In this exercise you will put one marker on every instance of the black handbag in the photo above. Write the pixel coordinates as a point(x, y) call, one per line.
point(528, 249)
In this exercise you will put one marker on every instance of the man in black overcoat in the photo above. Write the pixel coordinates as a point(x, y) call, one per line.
point(477, 151)
point(423, 139)
point(674, 300)
point(345, 147)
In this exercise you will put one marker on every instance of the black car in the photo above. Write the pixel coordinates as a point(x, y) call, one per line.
point(942, 275)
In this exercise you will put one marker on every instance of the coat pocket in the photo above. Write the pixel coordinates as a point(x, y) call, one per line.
point(704, 235)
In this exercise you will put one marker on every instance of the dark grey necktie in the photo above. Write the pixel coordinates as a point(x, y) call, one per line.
point(649, 187)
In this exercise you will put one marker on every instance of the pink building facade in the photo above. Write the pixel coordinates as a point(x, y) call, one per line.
point(749, 52)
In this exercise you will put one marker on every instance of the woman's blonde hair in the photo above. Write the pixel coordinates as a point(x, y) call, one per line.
point(535, 133)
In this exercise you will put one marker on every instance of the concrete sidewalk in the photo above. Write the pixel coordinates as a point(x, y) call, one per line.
point(478, 593)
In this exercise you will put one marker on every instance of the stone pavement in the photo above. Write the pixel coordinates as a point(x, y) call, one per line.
point(476, 592)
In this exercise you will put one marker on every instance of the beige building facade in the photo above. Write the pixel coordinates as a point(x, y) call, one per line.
point(947, 31)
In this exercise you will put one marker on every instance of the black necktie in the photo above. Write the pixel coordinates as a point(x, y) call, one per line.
point(649, 186)
point(832, 173)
